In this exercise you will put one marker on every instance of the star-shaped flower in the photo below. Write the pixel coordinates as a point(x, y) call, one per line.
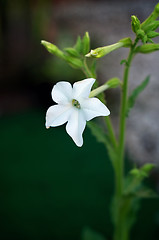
point(74, 107)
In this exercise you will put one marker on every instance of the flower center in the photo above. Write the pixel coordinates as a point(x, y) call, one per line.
point(76, 104)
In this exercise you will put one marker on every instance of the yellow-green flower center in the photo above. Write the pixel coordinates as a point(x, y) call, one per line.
point(76, 104)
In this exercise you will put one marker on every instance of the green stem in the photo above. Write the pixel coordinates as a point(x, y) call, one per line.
point(119, 168)
point(86, 69)
point(123, 120)
point(111, 132)
point(88, 73)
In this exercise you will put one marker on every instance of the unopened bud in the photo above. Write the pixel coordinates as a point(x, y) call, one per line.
point(147, 48)
point(53, 49)
point(102, 51)
point(135, 23)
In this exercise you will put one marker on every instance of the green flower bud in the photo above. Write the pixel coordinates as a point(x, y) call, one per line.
point(147, 167)
point(78, 45)
point(152, 26)
point(102, 51)
point(135, 23)
point(141, 35)
point(153, 16)
point(85, 43)
point(53, 49)
point(152, 34)
point(147, 48)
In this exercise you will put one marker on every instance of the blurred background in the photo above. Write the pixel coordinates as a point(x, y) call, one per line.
point(49, 188)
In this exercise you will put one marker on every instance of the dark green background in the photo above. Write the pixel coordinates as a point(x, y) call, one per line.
point(51, 189)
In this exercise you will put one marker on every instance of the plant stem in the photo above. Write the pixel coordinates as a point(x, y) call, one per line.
point(110, 128)
point(119, 168)
point(111, 132)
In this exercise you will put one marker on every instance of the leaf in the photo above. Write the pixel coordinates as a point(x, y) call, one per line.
point(98, 132)
point(123, 61)
point(135, 93)
point(146, 192)
point(89, 234)
point(102, 137)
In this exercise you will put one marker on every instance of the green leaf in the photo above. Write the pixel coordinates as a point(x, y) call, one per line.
point(134, 181)
point(98, 132)
point(135, 93)
point(72, 52)
point(102, 137)
point(145, 192)
point(89, 234)
point(85, 44)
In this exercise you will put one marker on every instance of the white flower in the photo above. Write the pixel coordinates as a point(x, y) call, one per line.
point(74, 107)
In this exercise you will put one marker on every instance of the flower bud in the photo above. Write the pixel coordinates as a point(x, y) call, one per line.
point(153, 16)
point(148, 167)
point(152, 34)
point(85, 43)
point(53, 49)
point(135, 23)
point(152, 26)
point(102, 51)
point(147, 48)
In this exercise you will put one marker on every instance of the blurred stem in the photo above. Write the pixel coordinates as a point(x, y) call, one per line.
point(119, 169)
point(86, 69)
point(111, 131)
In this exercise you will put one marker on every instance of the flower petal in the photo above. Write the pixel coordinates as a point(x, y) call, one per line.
point(62, 92)
point(57, 115)
point(82, 88)
point(93, 107)
point(75, 126)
